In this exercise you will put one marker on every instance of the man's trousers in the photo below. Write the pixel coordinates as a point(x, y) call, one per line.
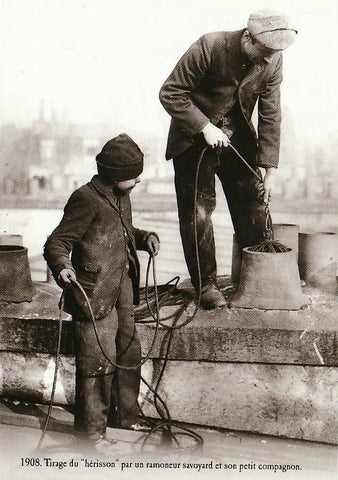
point(243, 192)
point(99, 386)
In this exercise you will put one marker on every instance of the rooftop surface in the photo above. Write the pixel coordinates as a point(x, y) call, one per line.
point(225, 454)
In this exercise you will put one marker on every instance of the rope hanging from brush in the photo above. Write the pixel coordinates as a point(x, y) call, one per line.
point(268, 245)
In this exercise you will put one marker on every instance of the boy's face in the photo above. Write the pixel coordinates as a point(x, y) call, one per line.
point(126, 186)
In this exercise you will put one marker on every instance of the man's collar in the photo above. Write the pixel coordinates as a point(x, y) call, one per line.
point(235, 47)
point(268, 59)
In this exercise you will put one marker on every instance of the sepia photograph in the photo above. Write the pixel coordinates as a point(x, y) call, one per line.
point(169, 239)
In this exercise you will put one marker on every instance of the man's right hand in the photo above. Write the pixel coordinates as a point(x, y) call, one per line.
point(214, 136)
point(65, 278)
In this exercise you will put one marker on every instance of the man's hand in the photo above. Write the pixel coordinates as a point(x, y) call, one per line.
point(153, 244)
point(65, 278)
point(268, 182)
point(214, 136)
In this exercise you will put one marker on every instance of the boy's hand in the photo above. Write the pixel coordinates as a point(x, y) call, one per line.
point(65, 278)
point(153, 244)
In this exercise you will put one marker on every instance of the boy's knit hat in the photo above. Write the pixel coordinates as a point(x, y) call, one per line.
point(121, 158)
point(272, 29)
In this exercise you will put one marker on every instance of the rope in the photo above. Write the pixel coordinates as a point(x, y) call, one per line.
point(177, 315)
point(165, 416)
point(167, 422)
point(268, 245)
point(163, 411)
point(56, 370)
point(92, 318)
point(244, 161)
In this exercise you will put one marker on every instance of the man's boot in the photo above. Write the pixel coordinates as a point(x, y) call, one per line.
point(212, 297)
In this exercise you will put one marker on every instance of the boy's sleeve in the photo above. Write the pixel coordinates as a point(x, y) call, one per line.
point(78, 215)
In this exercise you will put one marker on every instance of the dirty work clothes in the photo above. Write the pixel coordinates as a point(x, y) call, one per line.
point(98, 383)
point(208, 80)
point(97, 230)
point(243, 194)
point(126, 383)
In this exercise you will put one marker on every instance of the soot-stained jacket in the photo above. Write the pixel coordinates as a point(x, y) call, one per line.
point(206, 82)
point(96, 229)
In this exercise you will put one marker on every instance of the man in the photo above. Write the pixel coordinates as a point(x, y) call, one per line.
point(97, 230)
point(211, 95)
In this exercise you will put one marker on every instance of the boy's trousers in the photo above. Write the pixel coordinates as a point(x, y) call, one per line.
point(99, 386)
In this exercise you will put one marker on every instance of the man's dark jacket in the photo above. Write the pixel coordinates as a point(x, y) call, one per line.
point(97, 230)
point(206, 82)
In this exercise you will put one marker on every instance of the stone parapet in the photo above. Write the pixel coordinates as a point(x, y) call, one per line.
point(282, 400)
point(271, 372)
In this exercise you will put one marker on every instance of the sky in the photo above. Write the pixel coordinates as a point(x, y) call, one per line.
point(105, 60)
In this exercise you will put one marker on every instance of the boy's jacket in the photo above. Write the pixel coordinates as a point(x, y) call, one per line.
point(97, 230)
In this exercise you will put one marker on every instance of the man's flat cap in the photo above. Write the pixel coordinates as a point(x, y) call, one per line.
point(271, 29)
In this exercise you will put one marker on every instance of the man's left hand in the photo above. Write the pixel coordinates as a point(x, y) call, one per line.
point(268, 182)
point(153, 244)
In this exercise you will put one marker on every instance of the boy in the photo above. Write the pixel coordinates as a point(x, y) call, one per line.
point(97, 230)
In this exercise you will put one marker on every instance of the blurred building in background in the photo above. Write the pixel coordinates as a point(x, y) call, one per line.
point(49, 159)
